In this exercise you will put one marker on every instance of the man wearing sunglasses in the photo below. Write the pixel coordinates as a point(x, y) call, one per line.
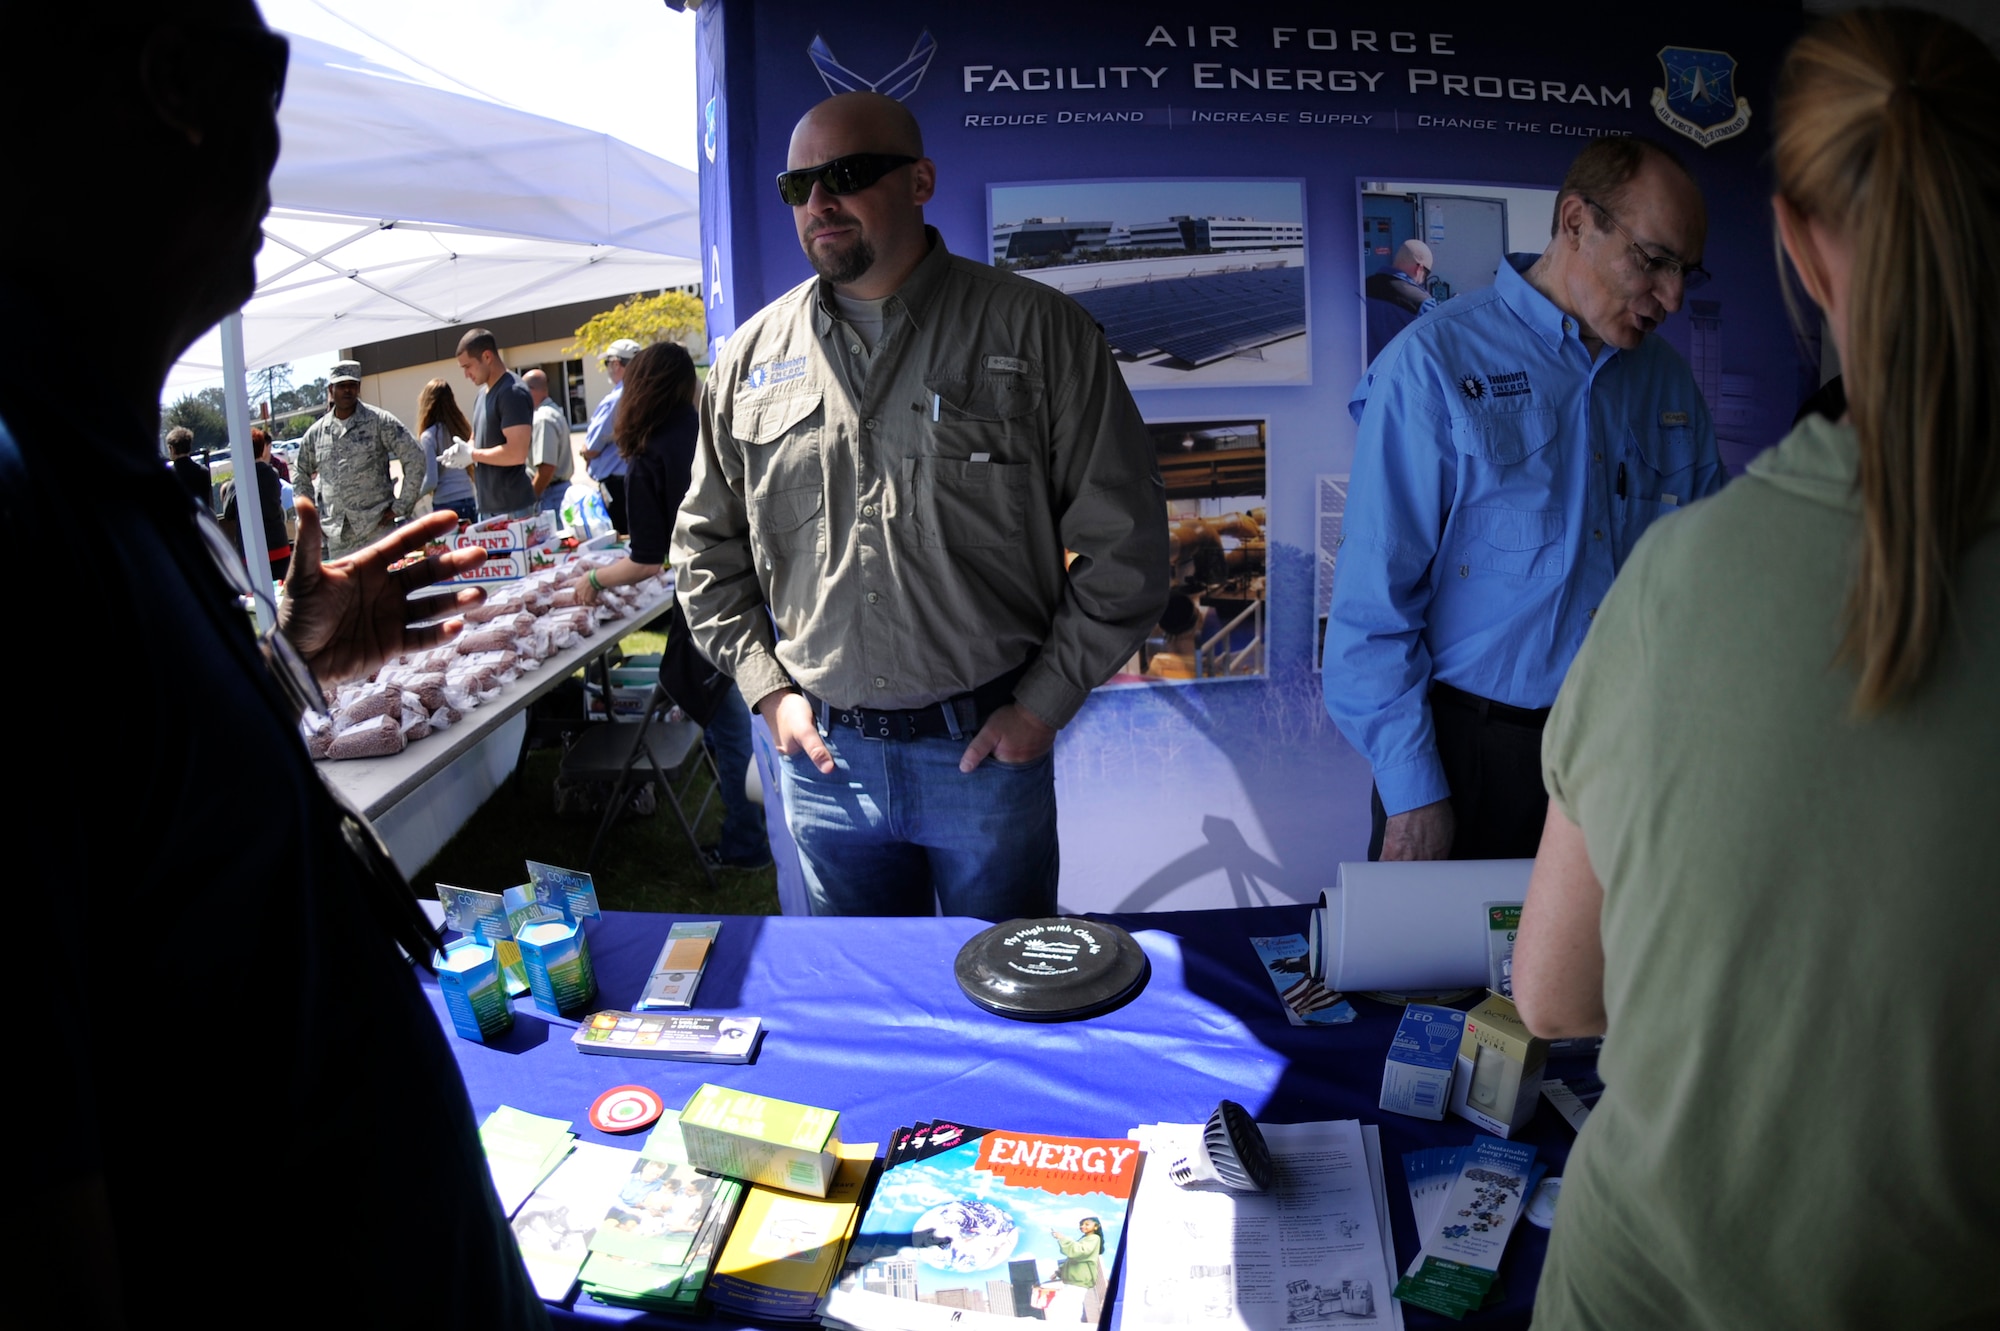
point(1514, 444)
point(215, 937)
point(926, 521)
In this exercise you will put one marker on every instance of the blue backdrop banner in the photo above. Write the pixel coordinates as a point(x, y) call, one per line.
point(1219, 194)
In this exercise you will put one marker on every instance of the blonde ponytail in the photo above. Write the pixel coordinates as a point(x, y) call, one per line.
point(1888, 131)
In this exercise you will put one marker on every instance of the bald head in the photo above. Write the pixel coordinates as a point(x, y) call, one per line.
point(869, 236)
point(537, 384)
point(883, 124)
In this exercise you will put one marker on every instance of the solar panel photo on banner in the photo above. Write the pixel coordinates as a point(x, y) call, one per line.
point(1202, 318)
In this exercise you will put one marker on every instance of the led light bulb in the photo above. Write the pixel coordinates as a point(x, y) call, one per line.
point(1232, 1153)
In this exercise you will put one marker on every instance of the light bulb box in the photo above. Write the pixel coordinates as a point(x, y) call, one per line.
point(1416, 1079)
point(1498, 1078)
point(468, 975)
point(761, 1140)
point(557, 955)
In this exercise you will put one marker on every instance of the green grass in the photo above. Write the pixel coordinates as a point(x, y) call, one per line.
point(645, 863)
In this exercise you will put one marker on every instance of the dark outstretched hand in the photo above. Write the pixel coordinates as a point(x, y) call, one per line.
point(348, 616)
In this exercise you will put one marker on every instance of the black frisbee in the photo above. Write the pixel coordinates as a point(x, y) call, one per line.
point(1054, 969)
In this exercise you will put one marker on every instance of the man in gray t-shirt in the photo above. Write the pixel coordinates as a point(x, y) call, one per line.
point(500, 447)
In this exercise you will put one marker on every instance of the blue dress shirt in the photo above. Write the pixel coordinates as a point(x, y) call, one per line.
point(598, 435)
point(1501, 478)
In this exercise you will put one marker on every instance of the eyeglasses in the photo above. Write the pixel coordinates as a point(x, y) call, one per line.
point(294, 676)
point(1656, 266)
point(843, 175)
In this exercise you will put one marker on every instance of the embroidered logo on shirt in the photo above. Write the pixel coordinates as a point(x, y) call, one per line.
point(1509, 385)
point(1472, 386)
point(1673, 418)
point(775, 372)
point(1009, 363)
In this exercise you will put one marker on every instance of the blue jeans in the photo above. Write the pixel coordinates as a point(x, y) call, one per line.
point(728, 733)
point(897, 822)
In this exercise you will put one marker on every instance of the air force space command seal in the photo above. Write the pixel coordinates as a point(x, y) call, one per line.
point(1700, 98)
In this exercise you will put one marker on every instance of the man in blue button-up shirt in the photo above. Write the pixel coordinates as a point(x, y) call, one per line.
point(1513, 445)
point(600, 451)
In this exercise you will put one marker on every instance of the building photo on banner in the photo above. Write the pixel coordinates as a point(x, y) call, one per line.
point(1228, 195)
point(1195, 283)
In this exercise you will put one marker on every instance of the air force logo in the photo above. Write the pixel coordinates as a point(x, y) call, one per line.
point(899, 82)
point(710, 129)
point(1700, 98)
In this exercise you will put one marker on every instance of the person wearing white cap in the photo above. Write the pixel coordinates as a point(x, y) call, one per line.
point(600, 450)
point(1398, 294)
point(344, 466)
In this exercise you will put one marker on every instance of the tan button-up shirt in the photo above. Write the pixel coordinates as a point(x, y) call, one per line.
point(978, 492)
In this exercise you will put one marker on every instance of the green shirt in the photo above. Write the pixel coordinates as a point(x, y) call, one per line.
point(1800, 919)
point(1079, 1263)
point(978, 490)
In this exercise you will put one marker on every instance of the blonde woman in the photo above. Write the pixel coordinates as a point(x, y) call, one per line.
point(1768, 873)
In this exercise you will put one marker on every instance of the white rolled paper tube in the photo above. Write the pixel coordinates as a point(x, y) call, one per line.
point(1413, 926)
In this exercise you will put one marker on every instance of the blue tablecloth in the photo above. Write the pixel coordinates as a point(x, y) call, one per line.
point(864, 1016)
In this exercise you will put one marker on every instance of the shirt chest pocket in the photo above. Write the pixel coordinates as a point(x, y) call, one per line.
point(1512, 520)
point(1662, 461)
point(1524, 543)
point(967, 505)
point(989, 411)
point(781, 468)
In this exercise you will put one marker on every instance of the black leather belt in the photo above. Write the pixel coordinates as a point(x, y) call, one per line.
point(954, 718)
point(1532, 717)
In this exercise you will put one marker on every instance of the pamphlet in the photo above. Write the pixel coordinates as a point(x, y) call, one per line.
point(669, 1286)
point(980, 1228)
point(1463, 1245)
point(569, 890)
point(1503, 923)
point(654, 1216)
point(1307, 1002)
point(1312, 1250)
point(678, 970)
point(786, 1249)
point(483, 915)
point(521, 1149)
point(553, 1228)
point(688, 1039)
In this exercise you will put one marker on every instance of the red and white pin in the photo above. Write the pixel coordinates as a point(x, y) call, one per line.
point(624, 1108)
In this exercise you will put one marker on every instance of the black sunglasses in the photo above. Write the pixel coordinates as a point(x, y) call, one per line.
point(843, 175)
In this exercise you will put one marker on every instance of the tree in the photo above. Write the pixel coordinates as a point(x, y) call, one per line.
point(202, 413)
point(270, 385)
point(671, 316)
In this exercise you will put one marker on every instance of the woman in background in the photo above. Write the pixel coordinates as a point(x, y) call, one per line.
point(655, 430)
point(1779, 755)
point(438, 420)
point(270, 505)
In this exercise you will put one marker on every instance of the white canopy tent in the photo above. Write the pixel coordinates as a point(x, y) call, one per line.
point(401, 206)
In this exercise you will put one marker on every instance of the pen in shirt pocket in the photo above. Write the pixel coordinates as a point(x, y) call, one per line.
point(1621, 480)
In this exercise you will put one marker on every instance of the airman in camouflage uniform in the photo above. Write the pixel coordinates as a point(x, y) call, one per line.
point(343, 466)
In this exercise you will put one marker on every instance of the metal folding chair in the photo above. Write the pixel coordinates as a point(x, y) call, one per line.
point(675, 760)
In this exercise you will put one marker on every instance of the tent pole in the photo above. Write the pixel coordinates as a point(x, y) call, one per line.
point(243, 462)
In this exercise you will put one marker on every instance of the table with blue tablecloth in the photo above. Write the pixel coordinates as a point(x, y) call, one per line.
point(864, 1016)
